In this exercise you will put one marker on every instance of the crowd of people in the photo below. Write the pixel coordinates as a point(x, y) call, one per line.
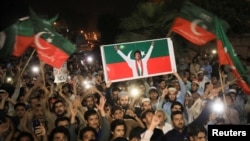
point(171, 107)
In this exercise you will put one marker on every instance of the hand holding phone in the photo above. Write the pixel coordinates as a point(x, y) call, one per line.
point(35, 123)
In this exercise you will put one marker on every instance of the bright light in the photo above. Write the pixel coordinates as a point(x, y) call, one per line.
point(214, 51)
point(67, 30)
point(134, 92)
point(35, 69)
point(81, 31)
point(87, 86)
point(85, 82)
point(89, 59)
point(218, 106)
point(69, 77)
point(9, 79)
point(55, 23)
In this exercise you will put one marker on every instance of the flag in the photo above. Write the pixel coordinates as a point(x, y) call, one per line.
point(227, 56)
point(195, 24)
point(24, 37)
point(7, 40)
point(157, 58)
point(51, 47)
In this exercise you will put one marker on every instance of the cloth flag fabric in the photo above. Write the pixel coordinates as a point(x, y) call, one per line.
point(51, 47)
point(7, 40)
point(24, 36)
point(157, 58)
point(227, 56)
point(195, 24)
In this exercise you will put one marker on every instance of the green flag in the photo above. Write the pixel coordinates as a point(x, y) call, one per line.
point(51, 47)
point(7, 41)
point(227, 56)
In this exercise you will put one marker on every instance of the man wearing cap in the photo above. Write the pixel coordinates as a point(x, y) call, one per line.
point(195, 87)
point(123, 100)
point(153, 95)
point(202, 80)
point(172, 95)
point(239, 104)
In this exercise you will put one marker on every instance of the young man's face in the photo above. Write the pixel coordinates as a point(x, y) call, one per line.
point(88, 136)
point(115, 95)
point(90, 102)
point(153, 95)
point(148, 118)
point(162, 85)
point(194, 87)
point(93, 121)
point(176, 108)
point(20, 110)
point(137, 56)
point(119, 131)
point(178, 121)
point(172, 95)
point(60, 137)
point(39, 111)
point(161, 117)
point(59, 109)
point(146, 105)
point(200, 137)
point(64, 123)
point(118, 114)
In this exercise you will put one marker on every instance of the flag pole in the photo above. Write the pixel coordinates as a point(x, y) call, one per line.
point(223, 88)
point(169, 33)
point(26, 64)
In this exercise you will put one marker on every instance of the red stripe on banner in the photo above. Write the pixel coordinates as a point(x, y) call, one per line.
point(155, 65)
point(118, 71)
point(159, 65)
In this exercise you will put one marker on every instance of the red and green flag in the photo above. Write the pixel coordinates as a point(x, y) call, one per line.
point(195, 24)
point(157, 58)
point(24, 36)
point(51, 47)
point(227, 56)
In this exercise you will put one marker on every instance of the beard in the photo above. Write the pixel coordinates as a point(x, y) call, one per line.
point(60, 113)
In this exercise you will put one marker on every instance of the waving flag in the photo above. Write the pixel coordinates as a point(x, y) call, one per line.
point(24, 37)
point(227, 56)
point(157, 57)
point(33, 31)
point(195, 24)
point(51, 47)
point(7, 40)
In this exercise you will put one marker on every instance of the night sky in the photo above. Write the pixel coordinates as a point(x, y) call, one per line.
point(78, 13)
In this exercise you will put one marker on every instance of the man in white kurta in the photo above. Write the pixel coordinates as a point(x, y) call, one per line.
point(139, 64)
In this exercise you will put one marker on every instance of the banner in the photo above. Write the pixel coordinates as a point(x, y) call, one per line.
point(61, 74)
point(133, 60)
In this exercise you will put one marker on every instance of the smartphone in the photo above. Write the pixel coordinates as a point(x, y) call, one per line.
point(35, 123)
